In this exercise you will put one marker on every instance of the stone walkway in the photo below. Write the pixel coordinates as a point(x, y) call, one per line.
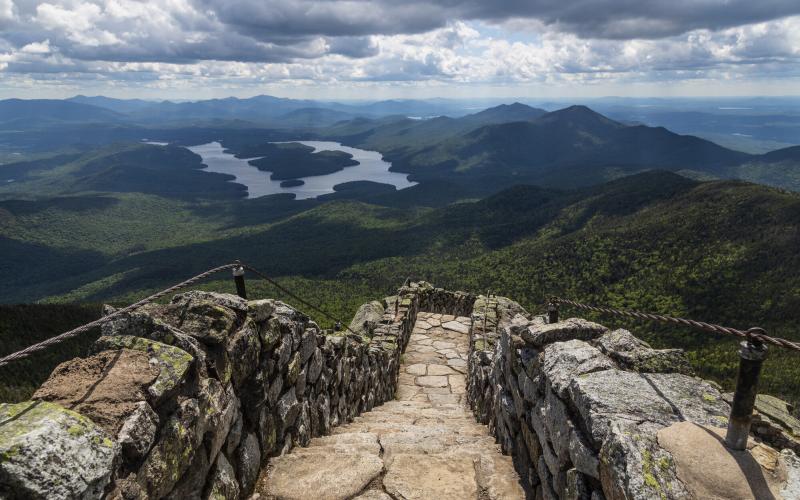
point(424, 445)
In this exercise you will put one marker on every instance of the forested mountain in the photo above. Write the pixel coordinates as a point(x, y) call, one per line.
point(720, 251)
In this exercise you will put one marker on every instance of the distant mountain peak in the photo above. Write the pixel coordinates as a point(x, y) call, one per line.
point(582, 114)
point(507, 113)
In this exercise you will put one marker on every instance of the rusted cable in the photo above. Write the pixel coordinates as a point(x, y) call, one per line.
point(755, 334)
point(295, 297)
point(24, 353)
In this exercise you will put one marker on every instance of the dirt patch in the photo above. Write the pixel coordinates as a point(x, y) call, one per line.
point(104, 387)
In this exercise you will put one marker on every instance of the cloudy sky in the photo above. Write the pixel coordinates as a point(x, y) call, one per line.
point(395, 48)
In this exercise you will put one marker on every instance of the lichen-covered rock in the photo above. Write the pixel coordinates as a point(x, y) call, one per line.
point(210, 317)
point(173, 363)
point(218, 408)
point(49, 452)
point(222, 484)
point(634, 354)
point(244, 347)
point(174, 451)
point(227, 300)
point(634, 467)
point(261, 310)
point(538, 335)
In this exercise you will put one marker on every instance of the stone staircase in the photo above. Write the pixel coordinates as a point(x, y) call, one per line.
point(424, 445)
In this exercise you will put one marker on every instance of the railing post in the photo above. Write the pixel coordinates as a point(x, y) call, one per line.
point(238, 277)
point(751, 356)
point(552, 312)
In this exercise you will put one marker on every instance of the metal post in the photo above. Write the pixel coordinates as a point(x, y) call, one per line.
point(751, 356)
point(552, 312)
point(238, 277)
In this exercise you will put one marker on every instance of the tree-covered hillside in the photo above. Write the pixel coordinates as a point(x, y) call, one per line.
point(722, 251)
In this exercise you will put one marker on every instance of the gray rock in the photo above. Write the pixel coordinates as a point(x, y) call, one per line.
point(564, 361)
point(288, 409)
point(222, 481)
point(227, 300)
point(614, 395)
point(315, 366)
point(582, 456)
point(261, 310)
point(49, 452)
point(367, 317)
point(248, 459)
point(274, 390)
point(138, 432)
point(267, 431)
point(634, 354)
point(208, 316)
point(235, 433)
point(576, 487)
point(791, 464)
point(308, 343)
point(570, 329)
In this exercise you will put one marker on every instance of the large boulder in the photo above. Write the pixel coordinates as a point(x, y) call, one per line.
point(107, 387)
point(49, 452)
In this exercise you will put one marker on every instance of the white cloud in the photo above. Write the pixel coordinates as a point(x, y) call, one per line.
point(195, 43)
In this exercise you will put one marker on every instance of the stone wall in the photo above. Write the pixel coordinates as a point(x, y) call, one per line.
point(590, 413)
point(190, 399)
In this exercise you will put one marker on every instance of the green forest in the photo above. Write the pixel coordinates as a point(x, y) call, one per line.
point(721, 251)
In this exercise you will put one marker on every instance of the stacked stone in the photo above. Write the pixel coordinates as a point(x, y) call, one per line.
point(581, 407)
point(440, 301)
point(189, 399)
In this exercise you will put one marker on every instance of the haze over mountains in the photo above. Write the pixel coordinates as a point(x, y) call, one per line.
point(496, 147)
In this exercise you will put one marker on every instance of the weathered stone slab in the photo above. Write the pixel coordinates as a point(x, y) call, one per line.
point(432, 381)
point(456, 326)
point(538, 335)
point(421, 477)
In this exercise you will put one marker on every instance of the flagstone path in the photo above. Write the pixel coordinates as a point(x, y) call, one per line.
point(424, 445)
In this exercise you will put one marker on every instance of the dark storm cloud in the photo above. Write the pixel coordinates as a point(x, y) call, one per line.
point(614, 19)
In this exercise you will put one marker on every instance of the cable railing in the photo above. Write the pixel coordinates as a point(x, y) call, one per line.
point(238, 275)
point(752, 353)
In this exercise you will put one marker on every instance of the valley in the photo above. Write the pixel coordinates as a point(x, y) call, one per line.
point(514, 199)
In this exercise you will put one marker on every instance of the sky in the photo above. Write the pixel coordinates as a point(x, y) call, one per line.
point(358, 49)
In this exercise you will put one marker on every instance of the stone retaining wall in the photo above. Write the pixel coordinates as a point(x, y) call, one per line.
point(190, 399)
point(590, 413)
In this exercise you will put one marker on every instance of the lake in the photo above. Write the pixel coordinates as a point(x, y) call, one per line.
point(371, 167)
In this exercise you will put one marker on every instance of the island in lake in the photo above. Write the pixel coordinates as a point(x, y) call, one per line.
point(292, 160)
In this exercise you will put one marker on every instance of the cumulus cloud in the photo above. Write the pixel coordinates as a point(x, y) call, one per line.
point(252, 42)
